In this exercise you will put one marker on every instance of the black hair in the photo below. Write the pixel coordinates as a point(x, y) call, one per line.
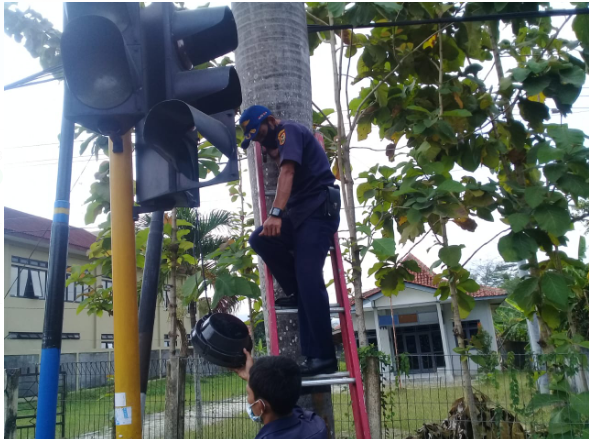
point(278, 381)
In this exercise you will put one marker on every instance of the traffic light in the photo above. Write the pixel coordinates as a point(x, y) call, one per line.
point(186, 103)
point(102, 61)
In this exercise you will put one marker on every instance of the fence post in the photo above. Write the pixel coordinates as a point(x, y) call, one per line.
point(175, 392)
point(373, 403)
point(11, 379)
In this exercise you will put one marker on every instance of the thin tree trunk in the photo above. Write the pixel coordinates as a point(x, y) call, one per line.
point(459, 333)
point(197, 378)
point(273, 63)
point(172, 297)
point(372, 372)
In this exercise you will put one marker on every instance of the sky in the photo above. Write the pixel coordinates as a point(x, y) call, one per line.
point(32, 118)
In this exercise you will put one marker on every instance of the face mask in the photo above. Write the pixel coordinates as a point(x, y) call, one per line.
point(270, 141)
point(250, 412)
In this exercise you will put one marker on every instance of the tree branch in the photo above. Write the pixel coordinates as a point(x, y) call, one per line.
point(488, 242)
point(324, 115)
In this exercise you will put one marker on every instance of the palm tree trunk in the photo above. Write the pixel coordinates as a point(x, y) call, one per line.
point(273, 63)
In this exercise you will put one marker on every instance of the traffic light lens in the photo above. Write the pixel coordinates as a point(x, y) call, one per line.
point(95, 62)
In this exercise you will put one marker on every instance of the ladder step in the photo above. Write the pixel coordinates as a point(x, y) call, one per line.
point(333, 309)
point(327, 382)
point(322, 376)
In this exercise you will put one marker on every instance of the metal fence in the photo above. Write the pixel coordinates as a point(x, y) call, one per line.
point(422, 396)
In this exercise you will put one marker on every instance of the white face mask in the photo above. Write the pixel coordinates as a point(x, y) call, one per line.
point(250, 412)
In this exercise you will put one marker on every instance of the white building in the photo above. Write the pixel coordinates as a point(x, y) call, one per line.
point(421, 324)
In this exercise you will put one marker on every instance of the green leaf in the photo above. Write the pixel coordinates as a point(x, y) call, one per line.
point(389, 7)
point(244, 287)
point(181, 222)
point(364, 192)
point(469, 285)
point(390, 283)
point(525, 294)
point(580, 403)
point(534, 85)
point(540, 400)
point(581, 253)
point(552, 219)
point(564, 137)
point(451, 186)
point(384, 247)
point(224, 287)
point(451, 255)
point(457, 113)
point(581, 28)
point(414, 216)
point(519, 74)
point(573, 76)
point(336, 8)
point(574, 185)
point(547, 153)
point(518, 221)
point(465, 304)
point(364, 128)
point(534, 195)
point(189, 286)
point(555, 289)
point(516, 247)
point(554, 171)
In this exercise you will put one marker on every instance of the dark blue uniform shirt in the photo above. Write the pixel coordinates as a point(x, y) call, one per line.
point(312, 172)
point(302, 424)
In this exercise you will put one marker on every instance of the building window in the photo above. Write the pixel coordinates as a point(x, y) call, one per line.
point(470, 328)
point(165, 294)
point(74, 292)
point(107, 341)
point(106, 282)
point(28, 277)
point(39, 336)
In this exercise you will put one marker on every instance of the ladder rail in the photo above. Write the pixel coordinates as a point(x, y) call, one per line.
point(349, 339)
point(272, 322)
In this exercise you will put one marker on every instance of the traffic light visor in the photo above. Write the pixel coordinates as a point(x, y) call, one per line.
point(95, 62)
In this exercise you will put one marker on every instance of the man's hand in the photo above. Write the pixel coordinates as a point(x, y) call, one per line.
point(272, 226)
point(244, 372)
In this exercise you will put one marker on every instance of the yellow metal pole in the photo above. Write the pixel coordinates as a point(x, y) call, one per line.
point(124, 276)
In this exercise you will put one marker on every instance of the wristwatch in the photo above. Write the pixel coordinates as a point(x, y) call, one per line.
point(277, 212)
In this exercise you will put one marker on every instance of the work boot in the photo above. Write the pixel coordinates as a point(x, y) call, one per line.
point(315, 366)
point(287, 302)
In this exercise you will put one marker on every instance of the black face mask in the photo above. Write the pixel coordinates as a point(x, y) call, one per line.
point(270, 141)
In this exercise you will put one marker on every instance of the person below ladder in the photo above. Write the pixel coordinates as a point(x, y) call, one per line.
point(295, 239)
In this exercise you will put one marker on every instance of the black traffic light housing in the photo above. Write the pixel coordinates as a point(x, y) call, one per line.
point(101, 49)
point(185, 103)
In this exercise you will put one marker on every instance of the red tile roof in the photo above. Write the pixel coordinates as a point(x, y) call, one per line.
point(24, 225)
point(426, 279)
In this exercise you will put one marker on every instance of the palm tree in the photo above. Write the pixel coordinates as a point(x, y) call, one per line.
point(273, 64)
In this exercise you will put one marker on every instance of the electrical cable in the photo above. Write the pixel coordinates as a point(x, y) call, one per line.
point(444, 20)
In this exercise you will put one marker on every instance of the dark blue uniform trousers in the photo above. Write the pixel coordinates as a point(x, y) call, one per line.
point(296, 259)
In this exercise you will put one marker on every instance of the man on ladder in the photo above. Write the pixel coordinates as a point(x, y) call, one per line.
point(295, 239)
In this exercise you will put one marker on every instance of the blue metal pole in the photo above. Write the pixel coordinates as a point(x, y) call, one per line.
point(53, 323)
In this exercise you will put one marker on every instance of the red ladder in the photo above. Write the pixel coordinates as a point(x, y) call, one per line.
point(352, 377)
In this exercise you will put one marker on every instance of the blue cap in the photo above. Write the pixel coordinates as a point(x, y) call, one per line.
point(250, 122)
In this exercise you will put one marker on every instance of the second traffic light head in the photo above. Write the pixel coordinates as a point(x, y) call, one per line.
point(171, 132)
